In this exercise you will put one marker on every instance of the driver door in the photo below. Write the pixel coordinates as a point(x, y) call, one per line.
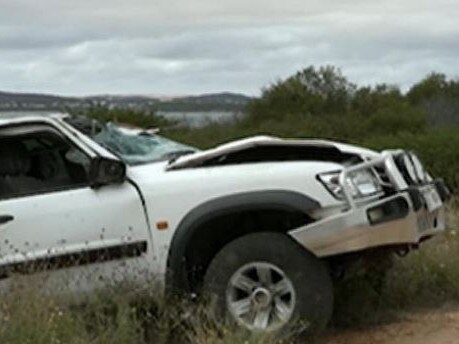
point(53, 223)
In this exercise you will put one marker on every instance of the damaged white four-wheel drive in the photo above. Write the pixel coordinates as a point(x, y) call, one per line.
point(259, 225)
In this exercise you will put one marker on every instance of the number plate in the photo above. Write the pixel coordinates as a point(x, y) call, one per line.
point(432, 198)
point(425, 221)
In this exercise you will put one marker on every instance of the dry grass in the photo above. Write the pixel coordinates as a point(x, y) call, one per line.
point(426, 278)
point(31, 316)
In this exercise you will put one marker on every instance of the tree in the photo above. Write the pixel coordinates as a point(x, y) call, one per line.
point(310, 91)
point(439, 97)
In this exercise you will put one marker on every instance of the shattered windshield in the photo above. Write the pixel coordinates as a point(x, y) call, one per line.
point(133, 146)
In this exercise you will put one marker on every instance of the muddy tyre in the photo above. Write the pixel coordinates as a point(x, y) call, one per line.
point(267, 283)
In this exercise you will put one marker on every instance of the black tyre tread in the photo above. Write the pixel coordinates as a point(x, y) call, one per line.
point(314, 295)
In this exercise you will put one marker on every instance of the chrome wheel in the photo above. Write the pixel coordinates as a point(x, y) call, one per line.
point(260, 297)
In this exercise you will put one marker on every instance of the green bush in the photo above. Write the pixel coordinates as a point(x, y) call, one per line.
point(310, 91)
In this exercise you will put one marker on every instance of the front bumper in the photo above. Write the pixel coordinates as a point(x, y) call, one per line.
point(404, 218)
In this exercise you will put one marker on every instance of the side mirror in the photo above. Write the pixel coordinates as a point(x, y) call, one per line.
point(104, 171)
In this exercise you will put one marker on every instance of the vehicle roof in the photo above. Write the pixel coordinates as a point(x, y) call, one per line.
point(24, 117)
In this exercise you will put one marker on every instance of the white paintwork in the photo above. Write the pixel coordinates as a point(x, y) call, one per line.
point(77, 220)
point(73, 220)
point(170, 195)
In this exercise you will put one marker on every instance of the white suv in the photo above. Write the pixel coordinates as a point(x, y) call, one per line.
point(262, 225)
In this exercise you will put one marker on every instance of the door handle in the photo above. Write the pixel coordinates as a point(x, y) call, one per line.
point(5, 219)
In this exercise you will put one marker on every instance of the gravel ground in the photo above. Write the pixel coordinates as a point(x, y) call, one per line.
point(438, 327)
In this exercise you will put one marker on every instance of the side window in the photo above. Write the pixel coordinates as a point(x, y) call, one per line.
point(40, 162)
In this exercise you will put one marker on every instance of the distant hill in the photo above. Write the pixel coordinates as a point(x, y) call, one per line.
point(42, 102)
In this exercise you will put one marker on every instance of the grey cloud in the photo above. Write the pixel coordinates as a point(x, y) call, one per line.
point(191, 46)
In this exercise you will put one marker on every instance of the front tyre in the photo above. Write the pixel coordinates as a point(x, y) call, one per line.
point(267, 283)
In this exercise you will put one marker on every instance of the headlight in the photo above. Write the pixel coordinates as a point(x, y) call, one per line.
point(361, 183)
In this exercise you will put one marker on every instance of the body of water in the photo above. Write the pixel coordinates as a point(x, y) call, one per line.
point(199, 119)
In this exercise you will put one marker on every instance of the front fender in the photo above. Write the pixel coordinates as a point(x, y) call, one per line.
point(176, 276)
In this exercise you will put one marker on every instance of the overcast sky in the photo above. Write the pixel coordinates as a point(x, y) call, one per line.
point(172, 47)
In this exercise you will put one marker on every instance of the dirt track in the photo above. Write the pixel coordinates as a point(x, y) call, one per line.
point(439, 327)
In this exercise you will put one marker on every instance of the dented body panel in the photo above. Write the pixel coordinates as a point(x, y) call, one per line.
point(318, 149)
